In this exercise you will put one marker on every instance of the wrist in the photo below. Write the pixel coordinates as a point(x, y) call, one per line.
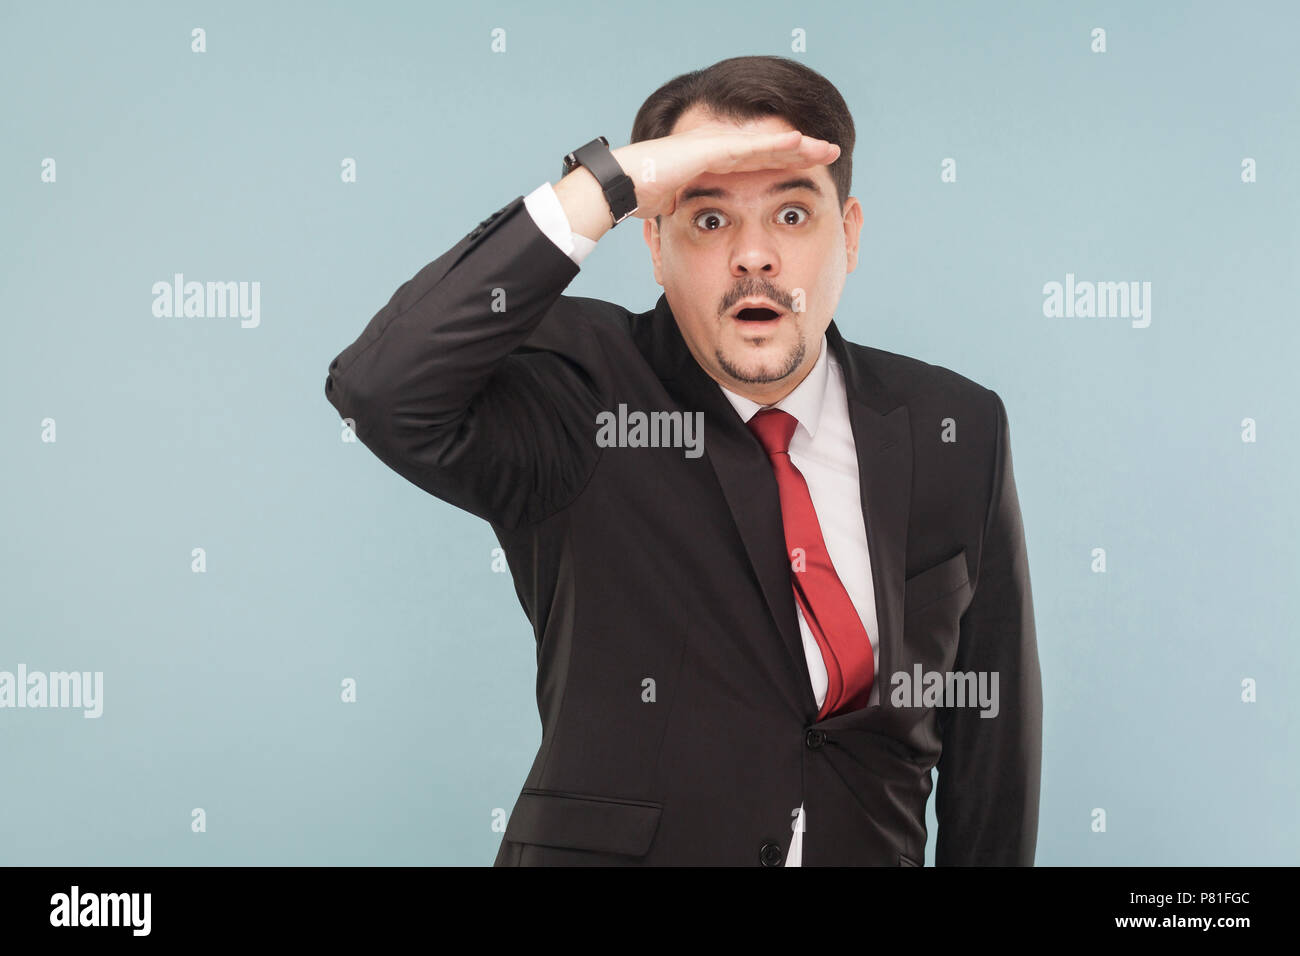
point(584, 203)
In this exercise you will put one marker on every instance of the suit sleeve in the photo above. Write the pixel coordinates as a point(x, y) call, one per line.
point(447, 386)
point(989, 768)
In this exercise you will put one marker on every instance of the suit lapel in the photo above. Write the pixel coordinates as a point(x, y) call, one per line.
point(882, 435)
point(882, 438)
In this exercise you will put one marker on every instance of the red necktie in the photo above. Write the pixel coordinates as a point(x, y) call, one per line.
point(826, 605)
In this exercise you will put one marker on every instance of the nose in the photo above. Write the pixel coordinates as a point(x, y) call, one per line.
point(755, 252)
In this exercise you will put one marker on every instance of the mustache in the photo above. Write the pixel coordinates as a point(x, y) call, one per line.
point(765, 292)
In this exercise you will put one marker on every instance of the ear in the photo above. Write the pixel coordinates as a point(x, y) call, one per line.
point(852, 231)
point(651, 234)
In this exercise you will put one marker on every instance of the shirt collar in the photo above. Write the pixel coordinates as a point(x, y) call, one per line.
point(804, 402)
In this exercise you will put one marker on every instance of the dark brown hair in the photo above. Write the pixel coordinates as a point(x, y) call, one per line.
point(749, 87)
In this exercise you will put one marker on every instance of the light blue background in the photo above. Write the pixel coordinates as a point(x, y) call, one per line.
point(222, 689)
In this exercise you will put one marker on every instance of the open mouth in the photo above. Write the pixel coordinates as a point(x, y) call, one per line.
point(757, 315)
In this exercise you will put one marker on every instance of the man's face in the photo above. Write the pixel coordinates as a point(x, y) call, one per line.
point(792, 247)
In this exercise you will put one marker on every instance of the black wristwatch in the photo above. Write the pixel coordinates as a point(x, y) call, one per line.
point(620, 193)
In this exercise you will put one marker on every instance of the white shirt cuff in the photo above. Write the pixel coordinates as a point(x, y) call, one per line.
point(544, 206)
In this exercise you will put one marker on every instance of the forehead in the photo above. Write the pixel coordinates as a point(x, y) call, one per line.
point(752, 185)
point(697, 116)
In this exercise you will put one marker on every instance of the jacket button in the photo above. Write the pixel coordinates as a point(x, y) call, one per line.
point(814, 739)
point(770, 854)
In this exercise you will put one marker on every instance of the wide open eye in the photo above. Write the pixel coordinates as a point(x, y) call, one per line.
point(708, 214)
point(782, 215)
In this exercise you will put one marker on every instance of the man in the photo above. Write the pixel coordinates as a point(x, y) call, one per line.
point(773, 575)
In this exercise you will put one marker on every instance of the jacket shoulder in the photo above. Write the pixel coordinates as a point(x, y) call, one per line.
point(914, 381)
point(943, 406)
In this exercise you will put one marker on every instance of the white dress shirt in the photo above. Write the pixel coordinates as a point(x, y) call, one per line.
point(824, 452)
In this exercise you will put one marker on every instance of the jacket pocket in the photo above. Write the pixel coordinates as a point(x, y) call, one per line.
point(579, 821)
point(926, 587)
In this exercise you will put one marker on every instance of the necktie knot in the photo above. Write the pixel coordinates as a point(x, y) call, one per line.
point(774, 429)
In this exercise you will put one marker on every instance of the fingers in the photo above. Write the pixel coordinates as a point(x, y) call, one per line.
point(777, 151)
point(819, 150)
point(787, 149)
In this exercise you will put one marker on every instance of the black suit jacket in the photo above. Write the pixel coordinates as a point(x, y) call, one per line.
point(678, 720)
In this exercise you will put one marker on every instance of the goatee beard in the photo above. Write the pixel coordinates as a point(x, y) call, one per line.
point(793, 361)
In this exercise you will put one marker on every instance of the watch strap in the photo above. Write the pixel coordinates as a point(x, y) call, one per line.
point(619, 190)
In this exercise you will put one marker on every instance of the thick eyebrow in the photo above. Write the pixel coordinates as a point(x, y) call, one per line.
point(716, 192)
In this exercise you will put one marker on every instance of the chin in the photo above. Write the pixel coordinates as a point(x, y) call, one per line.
point(764, 364)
